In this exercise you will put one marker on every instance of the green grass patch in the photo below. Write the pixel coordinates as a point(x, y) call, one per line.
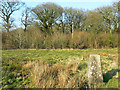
point(17, 66)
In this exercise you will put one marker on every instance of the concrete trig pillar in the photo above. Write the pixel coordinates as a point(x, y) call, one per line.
point(94, 72)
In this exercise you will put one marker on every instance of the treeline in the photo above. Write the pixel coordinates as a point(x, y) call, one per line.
point(34, 38)
point(50, 26)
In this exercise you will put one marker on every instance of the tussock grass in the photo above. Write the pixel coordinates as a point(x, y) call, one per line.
point(59, 75)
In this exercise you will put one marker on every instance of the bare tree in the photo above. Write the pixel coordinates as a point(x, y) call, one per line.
point(107, 14)
point(26, 19)
point(6, 10)
point(74, 18)
point(48, 14)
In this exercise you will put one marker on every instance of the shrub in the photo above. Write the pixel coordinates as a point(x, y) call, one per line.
point(34, 38)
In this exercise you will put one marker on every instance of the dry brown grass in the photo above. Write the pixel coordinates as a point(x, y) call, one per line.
point(59, 75)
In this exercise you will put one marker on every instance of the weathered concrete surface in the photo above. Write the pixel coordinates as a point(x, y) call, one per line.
point(94, 72)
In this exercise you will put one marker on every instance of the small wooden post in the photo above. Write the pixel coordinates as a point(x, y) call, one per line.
point(94, 72)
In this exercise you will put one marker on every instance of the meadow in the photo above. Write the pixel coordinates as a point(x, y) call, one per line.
point(56, 68)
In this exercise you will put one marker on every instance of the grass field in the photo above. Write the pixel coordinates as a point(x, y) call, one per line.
point(56, 68)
